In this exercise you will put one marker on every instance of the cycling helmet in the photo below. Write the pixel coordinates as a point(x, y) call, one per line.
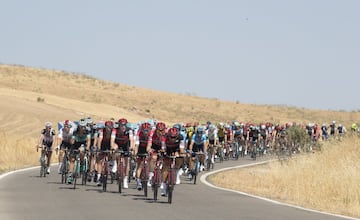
point(160, 126)
point(173, 132)
point(109, 124)
point(89, 120)
point(340, 125)
point(82, 122)
point(178, 126)
point(145, 126)
point(263, 126)
point(67, 122)
point(122, 121)
point(200, 130)
point(333, 122)
point(48, 125)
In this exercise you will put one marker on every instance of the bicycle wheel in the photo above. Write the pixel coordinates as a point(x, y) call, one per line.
point(170, 187)
point(75, 173)
point(196, 168)
point(120, 173)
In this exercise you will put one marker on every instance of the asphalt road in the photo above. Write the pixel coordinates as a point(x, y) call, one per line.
point(24, 195)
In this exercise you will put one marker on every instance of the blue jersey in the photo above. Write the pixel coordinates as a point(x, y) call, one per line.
point(199, 139)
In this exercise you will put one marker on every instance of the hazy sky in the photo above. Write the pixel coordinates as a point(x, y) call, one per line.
point(301, 53)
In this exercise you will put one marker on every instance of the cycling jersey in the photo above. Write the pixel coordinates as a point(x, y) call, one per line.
point(173, 144)
point(143, 138)
point(122, 137)
point(212, 136)
point(157, 140)
point(80, 139)
point(199, 141)
point(65, 138)
point(221, 133)
point(48, 137)
point(105, 137)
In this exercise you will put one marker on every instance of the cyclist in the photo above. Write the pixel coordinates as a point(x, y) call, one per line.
point(105, 144)
point(142, 146)
point(47, 139)
point(198, 144)
point(213, 140)
point(341, 130)
point(239, 134)
point(122, 138)
point(325, 133)
point(157, 139)
point(64, 141)
point(93, 131)
point(174, 146)
point(332, 128)
point(263, 135)
point(354, 127)
point(79, 142)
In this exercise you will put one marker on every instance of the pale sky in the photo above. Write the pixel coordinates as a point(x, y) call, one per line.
point(296, 53)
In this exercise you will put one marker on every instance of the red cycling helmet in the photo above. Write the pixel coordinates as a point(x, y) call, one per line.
point(122, 121)
point(67, 123)
point(145, 126)
point(109, 124)
point(173, 132)
point(160, 126)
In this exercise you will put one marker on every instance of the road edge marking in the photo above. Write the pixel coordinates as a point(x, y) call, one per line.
point(203, 179)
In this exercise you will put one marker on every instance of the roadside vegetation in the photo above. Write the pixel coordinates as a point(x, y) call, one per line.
point(327, 180)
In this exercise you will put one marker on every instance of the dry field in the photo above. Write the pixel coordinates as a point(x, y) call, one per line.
point(30, 96)
point(327, 180)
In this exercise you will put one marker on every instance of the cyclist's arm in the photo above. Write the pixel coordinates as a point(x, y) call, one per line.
point(132, 140)
point(112, 141)
point(88, 142)
point(40, 143)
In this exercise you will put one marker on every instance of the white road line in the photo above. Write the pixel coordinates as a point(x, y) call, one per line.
point(204, 177)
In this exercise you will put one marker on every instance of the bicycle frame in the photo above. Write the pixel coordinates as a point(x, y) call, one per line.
point(156, 180)
point(43, 160)
point(144, 171)
point(121, 169)
point(65, 166)
point(171, 178)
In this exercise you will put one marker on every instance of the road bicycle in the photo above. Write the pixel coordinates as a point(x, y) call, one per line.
point(121, 169)
point(157, 178)
point(105, 168)
point(195, 171)
point(220, 152)
point(171, 178)
point(65, 166)
point(43, 159)
point(144, 172)
point(76, 170)
point(210, 155)
point(85, 168)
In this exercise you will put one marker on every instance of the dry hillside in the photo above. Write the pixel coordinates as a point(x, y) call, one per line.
point(91, 96)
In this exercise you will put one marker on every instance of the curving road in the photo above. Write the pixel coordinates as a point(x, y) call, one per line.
point(23, 195)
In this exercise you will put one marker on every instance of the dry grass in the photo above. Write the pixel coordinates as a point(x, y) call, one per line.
point(31, 96)
point(328, 181)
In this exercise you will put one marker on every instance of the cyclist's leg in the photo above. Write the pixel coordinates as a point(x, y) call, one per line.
point(153, 158)
point(71, 168)
point(179, 170)
point(49, 154)
point(99, 161)
point(164, 175)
